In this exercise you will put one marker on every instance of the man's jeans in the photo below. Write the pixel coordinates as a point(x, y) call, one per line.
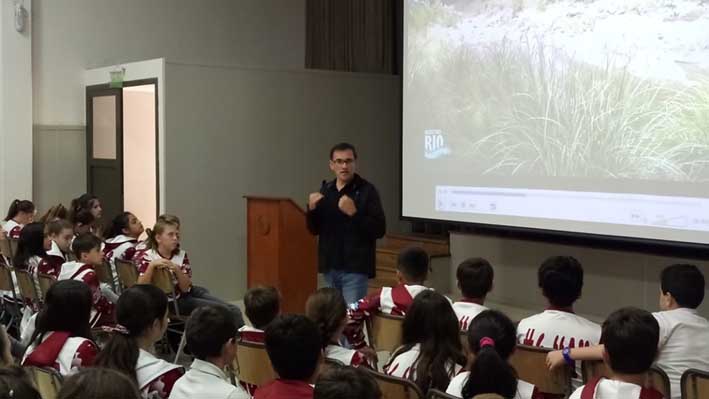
point(353, 286)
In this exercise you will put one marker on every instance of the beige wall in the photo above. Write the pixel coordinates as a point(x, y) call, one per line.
point(233, 132)
point(612, 279)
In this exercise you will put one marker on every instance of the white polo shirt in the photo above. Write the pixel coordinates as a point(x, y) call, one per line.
point(205, 380)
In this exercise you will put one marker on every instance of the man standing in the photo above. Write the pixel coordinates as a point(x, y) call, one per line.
point(347, 214)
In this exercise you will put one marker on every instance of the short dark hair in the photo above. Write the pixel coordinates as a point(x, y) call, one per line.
point(84, 243)
point(343, 147)
point(475, 277)
point(413, 263)
point(340, 382)
point(262, 305)
point(208, 329)
point(98, 382)
point(685, 283)
point(561, 280)
point(294, 347)
point(630, 337)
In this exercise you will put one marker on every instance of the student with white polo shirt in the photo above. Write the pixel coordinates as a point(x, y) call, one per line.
point(475, 278)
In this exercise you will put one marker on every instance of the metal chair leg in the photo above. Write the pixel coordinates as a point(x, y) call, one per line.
point(180, 347)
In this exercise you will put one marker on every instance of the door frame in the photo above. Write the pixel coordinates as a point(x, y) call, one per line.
point(91, 90)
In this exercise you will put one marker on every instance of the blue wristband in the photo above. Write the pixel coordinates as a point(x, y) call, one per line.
point(567, 357)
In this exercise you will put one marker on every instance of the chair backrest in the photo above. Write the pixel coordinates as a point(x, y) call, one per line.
point(45, 282)
point(395, 387)
point(530, 363)
point(385, 331)
point(28, 291)
point(48, 381)
point(656, 377)
point(252, 364)
point(162, 278)
point(436, 394)
point(6, 283)
point(105, 274)
point(695, 384)
point(6, 248)
point(127, 273)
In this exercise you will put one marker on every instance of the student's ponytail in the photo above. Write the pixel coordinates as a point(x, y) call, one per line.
point(18, 206)
point(492, 339)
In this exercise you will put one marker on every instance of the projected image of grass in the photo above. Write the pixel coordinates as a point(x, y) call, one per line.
point(524, 108)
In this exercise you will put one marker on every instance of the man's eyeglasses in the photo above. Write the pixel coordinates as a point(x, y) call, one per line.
point(342, 162)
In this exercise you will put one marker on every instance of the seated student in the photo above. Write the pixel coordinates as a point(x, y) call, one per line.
point(327, 308)
point(561, 281)
point(629, 339)
point(262, 305)
point(211, 337)
point(30, 250)
point(96, 383)
point(86, 211)
point(87, 249)
point(16, 383)
point(56, 212)
point(59, 234)
point(475, 277)
point(21, 212)
point(62, 336)
point(346, 383)
point(492, 339)
point(163, 252)
point(294, 346)
point(683, 332)
point(431, 353)
point(142, 318)
point(412, 271)
point(84, 222)
point(121, 240)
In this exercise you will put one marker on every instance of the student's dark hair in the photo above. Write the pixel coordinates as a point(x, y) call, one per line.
point(490, 373)
point(327, 308)
point(117, 225)
point(55, 227)
point(685, 283)
point(262, 305)
point(136, 310)
point(67, 307)
point(15, 383)
point(294, 346)
point(561, 280)
point(413, 263)
point(630, 337)
point(98, 382)
point(208, 329)
point(83, 217)
point(18, 206)
point(340, 382)
point(55, 212)
point(343, 147)
point(84, 202)
point(84, 243)
point(432, 323)
point(31, 243)
point(475, 276)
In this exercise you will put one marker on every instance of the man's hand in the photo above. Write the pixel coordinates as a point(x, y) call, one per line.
point(347, 206)
point(313, 200)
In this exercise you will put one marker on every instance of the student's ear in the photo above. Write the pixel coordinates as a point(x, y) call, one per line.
point(400, 277)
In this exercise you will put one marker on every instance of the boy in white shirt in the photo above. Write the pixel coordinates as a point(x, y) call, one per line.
point(211, 335)
point(630, 338)
point(558, 327)
point(684, 334)
point(475, 277)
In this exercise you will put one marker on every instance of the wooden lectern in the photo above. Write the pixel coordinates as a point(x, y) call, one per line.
point(281, 252)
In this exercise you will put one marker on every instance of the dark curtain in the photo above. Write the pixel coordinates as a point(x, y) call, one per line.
point(353, 35)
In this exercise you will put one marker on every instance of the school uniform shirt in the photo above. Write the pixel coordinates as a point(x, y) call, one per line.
point(611, 389)
point(156, 377)
point(389, 300)
point(61, 352)
point(403, 365)
point(252, 334)
point(348, 357)
point(179, 258)
point(683, 344)
point(205, 380)
point(558, 329)
point(102, 309)
point(52, 262)
point(466, 310)
point(119, 247)
point(525, 390)
point(13, 229)
point(285, 389)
